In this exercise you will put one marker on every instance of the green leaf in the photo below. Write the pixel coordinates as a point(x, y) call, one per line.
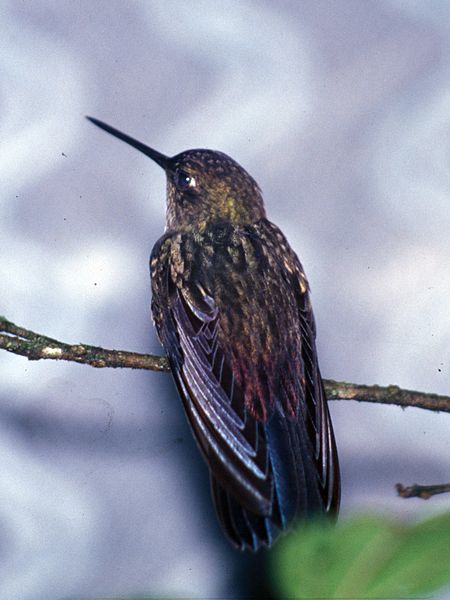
point(366, 557)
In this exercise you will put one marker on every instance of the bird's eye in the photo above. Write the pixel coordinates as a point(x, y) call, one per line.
point(183, 180)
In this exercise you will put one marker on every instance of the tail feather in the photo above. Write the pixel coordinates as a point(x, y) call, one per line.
point(296, 488)
point(244, 529)
point(294, 471)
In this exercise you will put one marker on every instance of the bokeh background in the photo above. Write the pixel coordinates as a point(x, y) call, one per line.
point(341, 111)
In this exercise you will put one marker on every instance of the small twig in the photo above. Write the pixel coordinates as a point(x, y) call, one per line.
point(421, 491)
point(36, 346)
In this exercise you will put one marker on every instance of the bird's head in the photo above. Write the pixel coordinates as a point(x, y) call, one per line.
point(203, 187)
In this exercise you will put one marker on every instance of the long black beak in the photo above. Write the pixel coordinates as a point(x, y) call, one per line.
point(159, 158)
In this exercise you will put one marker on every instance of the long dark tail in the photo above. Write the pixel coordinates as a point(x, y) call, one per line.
point(300, 488)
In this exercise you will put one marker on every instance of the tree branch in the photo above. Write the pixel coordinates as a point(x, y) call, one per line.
point(421, 491)
point(35, 346)
point(391, 394)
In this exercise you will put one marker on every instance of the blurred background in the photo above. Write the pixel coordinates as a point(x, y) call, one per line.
point(340, 110)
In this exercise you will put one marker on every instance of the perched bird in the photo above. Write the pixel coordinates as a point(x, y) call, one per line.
point(231, 305)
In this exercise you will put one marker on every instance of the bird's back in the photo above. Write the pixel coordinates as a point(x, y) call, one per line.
point(232, 309)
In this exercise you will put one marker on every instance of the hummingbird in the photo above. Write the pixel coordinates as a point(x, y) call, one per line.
point(231, 305)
